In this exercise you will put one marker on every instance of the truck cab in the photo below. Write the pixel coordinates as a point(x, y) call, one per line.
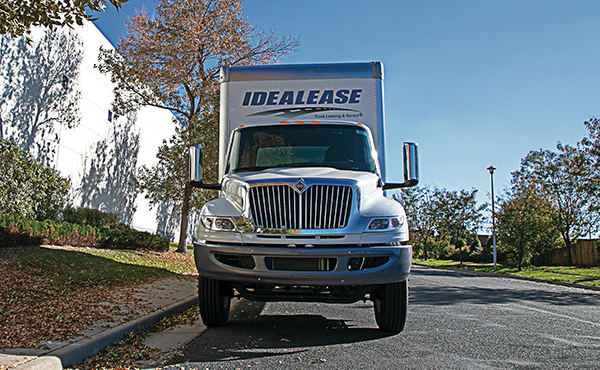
point(302, 216)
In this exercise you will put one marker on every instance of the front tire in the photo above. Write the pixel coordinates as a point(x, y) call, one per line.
point(390, 305)
point(214, 300)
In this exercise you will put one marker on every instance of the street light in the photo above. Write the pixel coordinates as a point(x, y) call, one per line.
point(491, 169)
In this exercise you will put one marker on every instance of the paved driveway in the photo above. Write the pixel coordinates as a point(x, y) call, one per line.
point(455, 321)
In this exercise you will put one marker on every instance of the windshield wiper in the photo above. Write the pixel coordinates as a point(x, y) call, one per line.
point(247, 169)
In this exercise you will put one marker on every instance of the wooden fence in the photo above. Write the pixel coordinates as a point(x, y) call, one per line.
point(585, 252)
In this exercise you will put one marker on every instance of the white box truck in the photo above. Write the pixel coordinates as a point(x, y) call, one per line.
point(302, 214)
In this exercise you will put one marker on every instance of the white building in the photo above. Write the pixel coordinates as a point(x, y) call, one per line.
point(56, 105)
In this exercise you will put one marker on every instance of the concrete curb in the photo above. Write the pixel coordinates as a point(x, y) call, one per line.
point(76, 352)
point(494, 274)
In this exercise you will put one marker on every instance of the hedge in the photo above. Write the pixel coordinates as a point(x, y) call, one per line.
point(91, 217)
point(16, 230)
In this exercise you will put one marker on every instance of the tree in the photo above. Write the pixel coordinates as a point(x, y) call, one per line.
point(438, 217)
point(421, 218)
point(458, 215)
point(172, 61)
point(591, 147)
point(563, 178)
point(18, 16)
point(525, 225)
point(591, 143)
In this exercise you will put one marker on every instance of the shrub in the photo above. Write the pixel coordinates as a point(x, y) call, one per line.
point(27, 188)
point(441, 248)
point(483, 255)
point(16, 230)
point(475, 246)
point(123, 237)
point(14, 234)
point(91, 217)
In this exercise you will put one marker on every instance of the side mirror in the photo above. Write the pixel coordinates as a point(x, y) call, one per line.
point(196, 170)
point(411, 164)
point(411, 167)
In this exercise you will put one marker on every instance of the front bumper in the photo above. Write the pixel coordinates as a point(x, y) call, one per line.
point(263, 270)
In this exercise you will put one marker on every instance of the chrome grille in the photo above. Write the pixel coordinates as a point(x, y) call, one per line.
point(318, 207)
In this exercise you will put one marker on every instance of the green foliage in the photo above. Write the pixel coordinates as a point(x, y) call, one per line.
point(567, 180)
point(475, 246)
point(15, 230)
point(91, 217)
point(27, 188)
point(440, 247)
point(418, 205)
point(165, 181)
point(458, 215)
point(525, 226)
point(438, 218)
point(123, 237)
point(18, 16)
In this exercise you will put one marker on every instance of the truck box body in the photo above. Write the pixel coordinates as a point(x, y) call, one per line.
point(326, 92)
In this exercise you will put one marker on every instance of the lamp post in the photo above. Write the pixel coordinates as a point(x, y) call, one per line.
point(491, 169)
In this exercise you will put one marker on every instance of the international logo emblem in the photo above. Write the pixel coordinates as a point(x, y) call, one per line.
point(300, 186)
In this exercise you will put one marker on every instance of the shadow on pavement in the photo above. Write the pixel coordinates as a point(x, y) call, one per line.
point(250, 336)
point(470, 291)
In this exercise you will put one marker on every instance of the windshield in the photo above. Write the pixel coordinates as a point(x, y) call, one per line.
point(337, 146)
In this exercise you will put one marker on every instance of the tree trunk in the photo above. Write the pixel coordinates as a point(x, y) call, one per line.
point(569, 254)
point(185, 211)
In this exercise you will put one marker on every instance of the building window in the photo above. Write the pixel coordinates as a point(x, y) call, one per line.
point(110, 115)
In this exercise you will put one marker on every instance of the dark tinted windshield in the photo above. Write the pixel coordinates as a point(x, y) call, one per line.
point(304, 145)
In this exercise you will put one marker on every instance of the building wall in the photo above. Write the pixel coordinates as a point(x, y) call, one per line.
point(56, 105)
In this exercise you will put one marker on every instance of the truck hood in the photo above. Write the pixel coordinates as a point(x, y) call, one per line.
point(372, 201)
point(305, 173)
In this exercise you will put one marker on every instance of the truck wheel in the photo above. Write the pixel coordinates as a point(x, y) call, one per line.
point(214, 300)
point(390, 304)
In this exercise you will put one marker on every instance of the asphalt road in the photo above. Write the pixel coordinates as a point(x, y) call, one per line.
point(455, 321)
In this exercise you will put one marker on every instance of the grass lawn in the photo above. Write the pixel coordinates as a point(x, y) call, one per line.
point(589, 275)
point(169, 261)
point(53, 293)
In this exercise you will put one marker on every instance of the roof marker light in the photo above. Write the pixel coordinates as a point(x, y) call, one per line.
point(240, 126)
point(299, 122)
point(315, 121)
point(284, 122)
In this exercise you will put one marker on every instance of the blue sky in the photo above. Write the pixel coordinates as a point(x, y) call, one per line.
point(475, 83)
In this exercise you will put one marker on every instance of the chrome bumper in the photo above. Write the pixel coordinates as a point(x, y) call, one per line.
point(395, 269)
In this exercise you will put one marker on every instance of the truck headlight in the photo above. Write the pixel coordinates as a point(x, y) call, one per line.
point(218, 223)
point(385, 223)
